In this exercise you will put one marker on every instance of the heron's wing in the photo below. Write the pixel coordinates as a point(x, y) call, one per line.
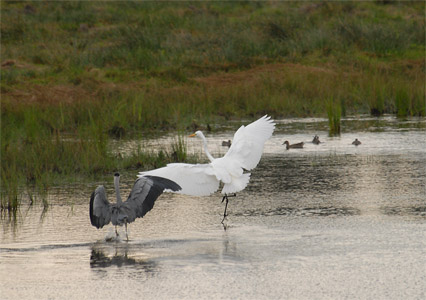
point(100, 212)
point(247, 145)
point(195, 180)
point(144, 193)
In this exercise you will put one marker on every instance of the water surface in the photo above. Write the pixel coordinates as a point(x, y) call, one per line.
point(327, 221)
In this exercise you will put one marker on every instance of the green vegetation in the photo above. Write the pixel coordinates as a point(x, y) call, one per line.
point(95, 70)
point(334, 113)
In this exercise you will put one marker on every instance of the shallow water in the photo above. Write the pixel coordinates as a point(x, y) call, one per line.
point(327, 221)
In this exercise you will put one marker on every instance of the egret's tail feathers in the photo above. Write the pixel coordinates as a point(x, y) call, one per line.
point(237, 184)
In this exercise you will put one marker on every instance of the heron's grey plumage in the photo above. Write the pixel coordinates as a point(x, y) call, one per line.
point(100, 213)
point(140, 201)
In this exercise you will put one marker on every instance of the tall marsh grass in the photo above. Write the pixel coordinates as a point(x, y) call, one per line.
point(334, 113)
point(36, 151)
point(179, 149)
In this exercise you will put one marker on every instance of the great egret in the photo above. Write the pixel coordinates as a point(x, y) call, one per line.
point(356, 142)
point(204, 179)
point(293, 146)
point(140, 201)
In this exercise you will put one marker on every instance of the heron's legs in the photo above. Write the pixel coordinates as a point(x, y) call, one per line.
point(116, 232)
point(127, 236)
point(226, 204)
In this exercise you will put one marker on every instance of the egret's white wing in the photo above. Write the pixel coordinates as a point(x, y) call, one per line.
point(195, 180)
point(247, 145)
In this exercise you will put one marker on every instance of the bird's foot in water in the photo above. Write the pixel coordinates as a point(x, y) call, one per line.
point(112, 236)
point(224, 224)
point(223, 220)
point(109, 238)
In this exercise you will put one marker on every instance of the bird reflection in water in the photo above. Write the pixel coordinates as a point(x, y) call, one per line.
point(100, 258)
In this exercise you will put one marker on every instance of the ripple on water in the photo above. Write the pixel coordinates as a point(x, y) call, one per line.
point(302, 212)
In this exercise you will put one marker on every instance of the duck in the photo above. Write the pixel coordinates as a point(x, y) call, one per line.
point(356, 142)
point(226, 143)
point(293, 146)
point(316, 140)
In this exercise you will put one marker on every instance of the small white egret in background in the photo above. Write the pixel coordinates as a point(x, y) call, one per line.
point(204, 179)
point(140, 201)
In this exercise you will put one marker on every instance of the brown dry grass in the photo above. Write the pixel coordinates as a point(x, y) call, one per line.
point(253, 74)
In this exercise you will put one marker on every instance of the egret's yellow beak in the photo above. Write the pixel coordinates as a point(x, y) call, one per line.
point(192, 135)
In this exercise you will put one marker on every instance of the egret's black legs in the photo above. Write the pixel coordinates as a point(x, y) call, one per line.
point(226, 204)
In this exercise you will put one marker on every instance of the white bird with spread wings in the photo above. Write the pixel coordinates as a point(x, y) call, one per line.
point(204, 179)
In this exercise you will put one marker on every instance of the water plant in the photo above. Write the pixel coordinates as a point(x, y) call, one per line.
point(179, 149)
point(334, 113)
point(402, 103)
point(33, 159)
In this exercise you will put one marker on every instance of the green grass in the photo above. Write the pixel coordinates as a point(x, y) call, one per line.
point(177, 41)
point(41, 159)
point(334, 113)
point(101, 70)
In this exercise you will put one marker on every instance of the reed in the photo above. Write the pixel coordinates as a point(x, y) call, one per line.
point(36, 158)
point(179, 149)
point(376, 94)
point(334, 112)
point(402, 103)
point(409, 103)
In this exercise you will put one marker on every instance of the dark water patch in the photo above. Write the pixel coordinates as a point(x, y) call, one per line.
point(302, 212)
point(419, 211)
point(43, 248)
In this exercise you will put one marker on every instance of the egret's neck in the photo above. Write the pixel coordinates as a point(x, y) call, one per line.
point(211, 158)
point(117, 189)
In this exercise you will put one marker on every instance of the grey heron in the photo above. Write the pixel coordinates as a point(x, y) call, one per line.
point(293, 146)
point(243, 154)
point(141, 200)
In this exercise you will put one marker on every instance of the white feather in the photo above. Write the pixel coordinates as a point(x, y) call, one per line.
point(195, 180)
point(244, 154)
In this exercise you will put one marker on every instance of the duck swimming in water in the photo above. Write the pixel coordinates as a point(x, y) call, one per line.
point(293, 146)
point(227, 143)
point(356, 142)
point(316, 140)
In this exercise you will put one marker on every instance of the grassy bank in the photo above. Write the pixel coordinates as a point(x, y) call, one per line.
point(171, 60)
point(35, 161)
point(95, 70)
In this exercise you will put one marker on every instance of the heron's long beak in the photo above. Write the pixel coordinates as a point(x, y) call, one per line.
point(192, 135)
